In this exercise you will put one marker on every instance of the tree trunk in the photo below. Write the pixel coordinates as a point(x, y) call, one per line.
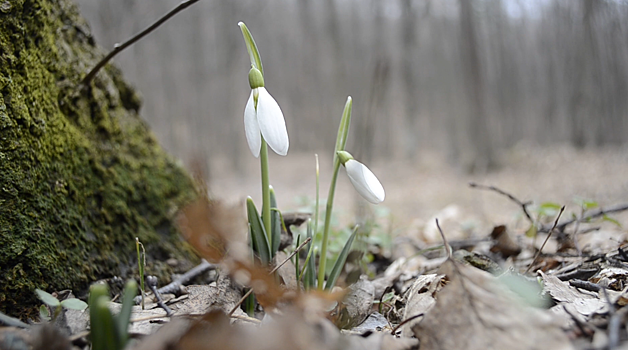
point(80, 173)
point(479, 156)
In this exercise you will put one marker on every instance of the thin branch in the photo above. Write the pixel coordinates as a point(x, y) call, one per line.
point(405, 322)
point(117, 48)
point(442, 235)
point(237, 305)
point(546, 239)
point(594, 214)
point(174, 287)
point(151, 282)
point(523, 205)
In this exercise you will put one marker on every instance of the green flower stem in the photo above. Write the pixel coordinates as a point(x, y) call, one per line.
point(265, 192)
point(328, 208)
point(317, 199)
point(341, 142)
point(315, 231)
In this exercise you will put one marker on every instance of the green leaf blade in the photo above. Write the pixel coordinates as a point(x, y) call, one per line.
point(122, 319)
point(340, 262)
point(258, 234)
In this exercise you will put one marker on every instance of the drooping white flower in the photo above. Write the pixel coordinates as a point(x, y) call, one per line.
point(263, 118)
point(363, 179)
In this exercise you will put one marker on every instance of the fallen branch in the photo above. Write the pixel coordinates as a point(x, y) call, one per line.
point(174, 287)
point(151, 282)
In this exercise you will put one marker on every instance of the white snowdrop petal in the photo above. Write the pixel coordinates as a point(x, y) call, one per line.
point(251, 127)
point(365, 182)
point(272, 123)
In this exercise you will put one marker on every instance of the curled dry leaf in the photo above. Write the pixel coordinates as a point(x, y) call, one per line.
point(212, 228)
point(474, 311)
point(356, 306)
point(286, 273)
point(420, 298)
point(583, 302)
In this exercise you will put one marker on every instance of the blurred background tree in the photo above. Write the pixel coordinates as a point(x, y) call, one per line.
point(467, 77)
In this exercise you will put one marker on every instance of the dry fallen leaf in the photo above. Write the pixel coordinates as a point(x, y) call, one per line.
point(290, 330)
point(474, 311)
point(584, 302)
point(420, 298)
point(212, 228)
point(356, 306)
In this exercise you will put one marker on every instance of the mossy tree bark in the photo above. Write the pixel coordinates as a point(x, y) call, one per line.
point(80, 173)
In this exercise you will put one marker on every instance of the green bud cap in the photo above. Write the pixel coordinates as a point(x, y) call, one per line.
point(256, 79)
point(344, 156)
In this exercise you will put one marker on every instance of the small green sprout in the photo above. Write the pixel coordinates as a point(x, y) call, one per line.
point(52, 303)
point(108, 331)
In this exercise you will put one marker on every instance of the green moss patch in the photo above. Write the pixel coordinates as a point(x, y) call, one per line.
point(80, 173)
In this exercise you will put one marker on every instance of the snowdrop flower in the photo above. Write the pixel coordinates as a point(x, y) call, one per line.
point(363, 179)
point(263, 118)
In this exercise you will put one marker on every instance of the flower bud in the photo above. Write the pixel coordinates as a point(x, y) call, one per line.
point(256, 79)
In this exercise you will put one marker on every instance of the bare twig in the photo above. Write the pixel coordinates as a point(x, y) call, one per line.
point(523, 205)
point(546, 239)
point(237, 305)
point(381, 299)
point(405, 322)
point(575, 232)
point(119, 47)
point(174, 287)
point(586, 285)
point(594, 214)
point(442, 235)
point(151, 282)
point(581, 273)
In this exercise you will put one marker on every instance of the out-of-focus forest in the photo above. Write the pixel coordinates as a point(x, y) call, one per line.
point(469, 78)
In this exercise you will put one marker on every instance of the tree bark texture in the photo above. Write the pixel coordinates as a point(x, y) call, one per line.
point(81, 175)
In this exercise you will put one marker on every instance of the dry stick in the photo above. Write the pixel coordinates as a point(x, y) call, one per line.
point(404, 322)
point(174, 287)
point(151, 282)
point(524, 206)
point(237, 305)
point(599, 212)
point(575, 232)
point(445, 243)
point(117, 48)
point(546, 239)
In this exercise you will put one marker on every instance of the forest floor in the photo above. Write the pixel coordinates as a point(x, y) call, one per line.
point(498, 288)
point(416, 193)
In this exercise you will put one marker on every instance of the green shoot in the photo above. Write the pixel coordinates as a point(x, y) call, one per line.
point(341, 141)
